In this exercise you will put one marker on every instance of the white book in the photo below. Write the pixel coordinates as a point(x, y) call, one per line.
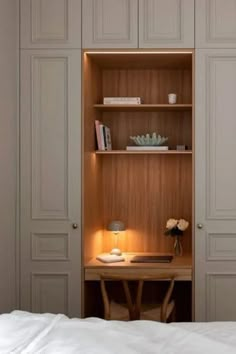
point(122, 100)
point(118, 98)
point(102, 136)
point(147, 148)
point(98, 134)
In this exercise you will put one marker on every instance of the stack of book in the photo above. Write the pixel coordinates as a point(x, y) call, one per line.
point(103, 135)
point(122, 100)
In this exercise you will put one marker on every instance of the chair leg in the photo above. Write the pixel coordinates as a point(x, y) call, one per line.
point(173, 315)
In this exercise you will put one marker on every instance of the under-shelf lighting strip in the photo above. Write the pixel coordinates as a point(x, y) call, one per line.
point(115, 52)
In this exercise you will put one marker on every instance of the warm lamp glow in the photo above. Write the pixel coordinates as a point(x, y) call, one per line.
point(137, 52)
point(116, 227)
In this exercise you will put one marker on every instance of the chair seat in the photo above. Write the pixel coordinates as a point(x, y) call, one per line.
point(119, 312)
point(152, 312)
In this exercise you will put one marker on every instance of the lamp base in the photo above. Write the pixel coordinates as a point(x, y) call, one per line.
point(116, 251)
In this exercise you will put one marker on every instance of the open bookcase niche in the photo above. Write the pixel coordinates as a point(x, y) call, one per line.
point(143, 190)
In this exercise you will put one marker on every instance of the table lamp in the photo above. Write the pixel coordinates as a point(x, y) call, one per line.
point(116, 227)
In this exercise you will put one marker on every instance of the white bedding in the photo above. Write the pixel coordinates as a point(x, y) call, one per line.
point(22, 332)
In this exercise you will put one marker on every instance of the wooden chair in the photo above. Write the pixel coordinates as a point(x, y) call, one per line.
point(133, 309)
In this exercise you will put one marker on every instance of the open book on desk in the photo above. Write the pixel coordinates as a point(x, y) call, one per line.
point(152, 259)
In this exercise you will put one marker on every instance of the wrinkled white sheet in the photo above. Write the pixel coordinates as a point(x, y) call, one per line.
point(22, 332)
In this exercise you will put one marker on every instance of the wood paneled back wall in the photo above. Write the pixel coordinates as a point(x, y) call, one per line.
point(142, 190)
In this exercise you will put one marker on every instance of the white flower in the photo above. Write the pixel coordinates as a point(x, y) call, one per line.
point(182, 224)
point(171, 223)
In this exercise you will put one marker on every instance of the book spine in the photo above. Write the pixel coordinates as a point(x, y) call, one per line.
point(102, 137)
point(98, 134)
point(108, 138)
point(121, 100)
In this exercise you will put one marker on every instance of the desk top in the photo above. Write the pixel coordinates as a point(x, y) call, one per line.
point(181, 266)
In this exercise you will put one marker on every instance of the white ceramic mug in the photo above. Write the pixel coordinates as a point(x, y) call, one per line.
point(172, 98)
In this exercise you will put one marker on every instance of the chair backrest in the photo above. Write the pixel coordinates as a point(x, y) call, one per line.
point(134, 305)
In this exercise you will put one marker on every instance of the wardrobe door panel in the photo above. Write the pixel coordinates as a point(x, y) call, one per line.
point(50, 23)
point(166, 23)
point(215, 192)
point(221, 293)
point(110, 23)
point(8, 154)
point(50, 248)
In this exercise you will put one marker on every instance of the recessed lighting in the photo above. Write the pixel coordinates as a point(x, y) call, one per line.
point(115, 52)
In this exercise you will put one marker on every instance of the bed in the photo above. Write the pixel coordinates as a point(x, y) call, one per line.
point(23, 332)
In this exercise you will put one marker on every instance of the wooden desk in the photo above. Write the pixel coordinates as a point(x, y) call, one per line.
point(181, 266)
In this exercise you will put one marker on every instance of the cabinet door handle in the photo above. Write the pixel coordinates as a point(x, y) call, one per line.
point(200, 226)
point(75, 226)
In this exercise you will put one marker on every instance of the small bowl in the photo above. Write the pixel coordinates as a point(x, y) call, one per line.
point(149, 140)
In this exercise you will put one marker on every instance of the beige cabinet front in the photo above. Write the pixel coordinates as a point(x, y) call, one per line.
point(50, 245)
point(138, 23)
point(110, 23)
point(215, 192)
point(166, 23)
point(50, 24)
point(215, 24)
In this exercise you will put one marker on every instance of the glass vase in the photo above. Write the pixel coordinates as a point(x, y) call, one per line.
point(178, 249)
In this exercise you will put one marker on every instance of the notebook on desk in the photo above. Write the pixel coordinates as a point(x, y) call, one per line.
point(152, 259)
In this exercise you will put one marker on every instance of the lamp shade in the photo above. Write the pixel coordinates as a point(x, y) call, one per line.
point(116, 226)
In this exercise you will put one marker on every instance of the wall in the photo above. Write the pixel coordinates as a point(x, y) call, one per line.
point(8, 141)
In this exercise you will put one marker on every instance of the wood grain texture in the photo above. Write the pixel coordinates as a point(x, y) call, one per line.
point(143, 190)
point(152, 85)
point(180, 266)
point(175, 125)
point(142, 59)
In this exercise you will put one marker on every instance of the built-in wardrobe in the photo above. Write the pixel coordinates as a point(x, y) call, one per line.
point(54, 235)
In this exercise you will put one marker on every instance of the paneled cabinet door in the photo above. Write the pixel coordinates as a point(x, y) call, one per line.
point(50, 232)
point(215, 24)
point(50, 24)
point(215, 189)
point(110, 23)
point(166, 23)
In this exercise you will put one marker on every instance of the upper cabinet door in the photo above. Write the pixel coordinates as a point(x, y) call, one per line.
point(215, 24)
point(110, 23)
point(50, 23)
point(166, 23)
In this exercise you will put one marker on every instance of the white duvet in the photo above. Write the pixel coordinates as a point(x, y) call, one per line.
point(22, 332)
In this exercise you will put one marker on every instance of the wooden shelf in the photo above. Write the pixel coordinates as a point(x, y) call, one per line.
point(143, 107)
point(146, 152)
point(149, 178)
